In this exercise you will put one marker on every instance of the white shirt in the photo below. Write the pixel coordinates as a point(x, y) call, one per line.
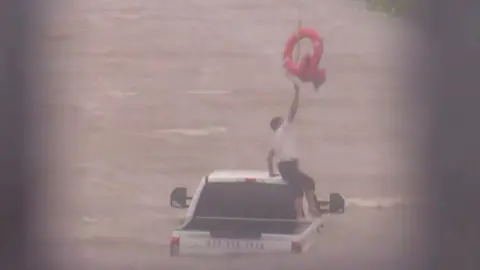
point(284, 143)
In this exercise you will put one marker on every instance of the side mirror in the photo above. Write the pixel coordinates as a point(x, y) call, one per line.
point(337, 203)
point(178, 198)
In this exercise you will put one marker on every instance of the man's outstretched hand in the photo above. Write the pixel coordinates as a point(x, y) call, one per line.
point(293, 79)
point(296, 87)
point(294, 107)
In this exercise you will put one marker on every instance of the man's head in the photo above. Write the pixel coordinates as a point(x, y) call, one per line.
point(276, 122)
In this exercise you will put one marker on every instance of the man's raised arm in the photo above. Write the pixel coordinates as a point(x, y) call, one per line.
point(294, 106)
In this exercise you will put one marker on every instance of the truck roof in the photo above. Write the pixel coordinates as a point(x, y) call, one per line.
point(225, 176)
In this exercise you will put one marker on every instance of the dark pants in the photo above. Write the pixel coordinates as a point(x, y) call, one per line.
point(299, 181)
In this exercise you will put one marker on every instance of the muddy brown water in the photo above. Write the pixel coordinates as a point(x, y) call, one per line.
point(149, 95)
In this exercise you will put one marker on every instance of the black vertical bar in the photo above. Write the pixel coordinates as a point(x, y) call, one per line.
point(17, 184)
point(453, 31)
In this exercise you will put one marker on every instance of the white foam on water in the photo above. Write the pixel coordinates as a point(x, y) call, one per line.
point(121, 238)
point(87, 219)
point(377, 202)
point(208, 92)
point(192, 132)
point(118, 94)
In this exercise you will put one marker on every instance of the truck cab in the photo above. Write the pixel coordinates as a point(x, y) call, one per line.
point(243, 212)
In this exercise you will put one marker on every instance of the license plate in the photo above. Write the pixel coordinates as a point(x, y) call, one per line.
point(234, 244)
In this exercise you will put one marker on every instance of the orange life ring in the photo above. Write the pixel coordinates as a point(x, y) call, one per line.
point(307, 69)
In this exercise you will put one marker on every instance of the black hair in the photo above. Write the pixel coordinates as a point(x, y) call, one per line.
point(275, 122)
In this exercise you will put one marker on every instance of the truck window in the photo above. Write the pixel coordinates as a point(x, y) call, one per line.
point(246, 200)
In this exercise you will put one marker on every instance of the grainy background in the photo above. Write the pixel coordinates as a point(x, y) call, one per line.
point(153, 94)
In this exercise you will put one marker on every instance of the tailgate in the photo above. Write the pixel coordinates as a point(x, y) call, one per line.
point(244, 239)
point(196, 242)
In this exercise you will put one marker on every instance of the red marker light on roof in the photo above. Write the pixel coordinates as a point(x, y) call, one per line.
point(250, 180)
point(174, 246)
point(175, 240)
point(296, 247)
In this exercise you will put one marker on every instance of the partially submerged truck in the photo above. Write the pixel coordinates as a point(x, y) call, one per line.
point(241, 212)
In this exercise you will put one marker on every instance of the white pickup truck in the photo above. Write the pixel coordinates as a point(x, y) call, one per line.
point(243, 212)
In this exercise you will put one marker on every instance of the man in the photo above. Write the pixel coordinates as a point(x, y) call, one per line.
point(284, 148)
